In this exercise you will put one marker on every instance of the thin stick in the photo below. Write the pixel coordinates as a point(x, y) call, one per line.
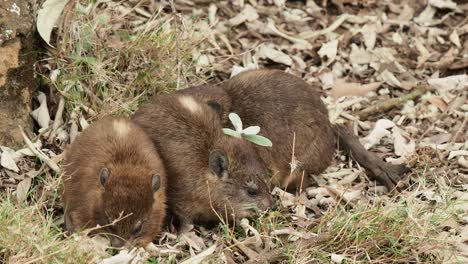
point(39, 153)
point(302, 181)
point(58, 117)
point(211, 204)
point(292, 164)
point(42, 132)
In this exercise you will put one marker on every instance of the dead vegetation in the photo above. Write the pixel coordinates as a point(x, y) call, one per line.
point(110, 56)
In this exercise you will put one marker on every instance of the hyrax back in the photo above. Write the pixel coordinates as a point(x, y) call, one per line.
point(113, 171)
point(210, 174)
point(289, 112)
point(292, 115)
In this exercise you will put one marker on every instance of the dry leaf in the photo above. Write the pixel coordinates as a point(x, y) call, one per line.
point(327, 80)
point(437, 101)
point(408, 85)
point(396, 37)
point(426, 16)
point(8, 162)
point(454, 82)
point(342, 88)
point(199, 258)
point(54, 74)
point(247, 14)
point(337, 258)
point(270, 52)
point(252, 232)
point(124, 257)
point(455, 39)
point(48, 16)
point(360, 56)
point(295, 16)
point(238, 69)
point(279, 3)
point(456, 153)
point(403, 146)
point(287, 199)
point(389, 78)
point(161, 250)
point(380, 130)
point(315, 191)
point(370, 36)
point(41, 114)
point(349, 179)
point(329, 50)
point(193, 240)
point(98, 244)
point(406, 14)
point(463, 162)
point(22, 189)
point(443, 4)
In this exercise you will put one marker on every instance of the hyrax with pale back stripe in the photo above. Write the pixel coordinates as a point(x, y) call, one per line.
point(289, 112)
point(210, 175)
point(114, 177)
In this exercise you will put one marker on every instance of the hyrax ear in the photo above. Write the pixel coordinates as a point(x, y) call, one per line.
point(103, 175)
point(219, 163)
point(215, 106)
point(155, 182)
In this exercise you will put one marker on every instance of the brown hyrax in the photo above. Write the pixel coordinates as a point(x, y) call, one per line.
point(289, 112)
point(114, 177)
point(210, 175)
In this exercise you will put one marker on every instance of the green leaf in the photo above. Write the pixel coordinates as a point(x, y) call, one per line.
point(251, 130)
point(232, 133)
point(236, 121)
point(259, 140)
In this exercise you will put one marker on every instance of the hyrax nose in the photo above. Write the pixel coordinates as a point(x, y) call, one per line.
point(268, 202)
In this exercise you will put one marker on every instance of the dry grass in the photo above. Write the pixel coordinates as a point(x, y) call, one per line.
point(111, 56)
point(400, 230)
point(28, 235)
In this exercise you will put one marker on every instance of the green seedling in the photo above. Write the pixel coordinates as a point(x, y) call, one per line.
point(250, 133)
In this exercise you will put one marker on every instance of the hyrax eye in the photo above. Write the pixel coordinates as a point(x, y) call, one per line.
point(252, 192)
point(137, 230)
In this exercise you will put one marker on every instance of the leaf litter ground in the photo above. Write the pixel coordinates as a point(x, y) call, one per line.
point(394, 70)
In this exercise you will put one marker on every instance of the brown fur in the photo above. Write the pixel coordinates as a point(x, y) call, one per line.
point(187, 140)
point(211, 94)
point(289, 112)
point(131, 159)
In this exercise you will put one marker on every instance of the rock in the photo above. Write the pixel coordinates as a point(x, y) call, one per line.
point(17, 55)
point(8, 58)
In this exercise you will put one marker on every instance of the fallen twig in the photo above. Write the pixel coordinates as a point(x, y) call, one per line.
point(58, 118)
point(385, 105)
point(39, 153)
